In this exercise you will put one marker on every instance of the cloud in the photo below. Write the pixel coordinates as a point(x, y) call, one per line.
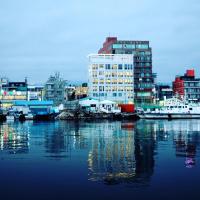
point(49, 35)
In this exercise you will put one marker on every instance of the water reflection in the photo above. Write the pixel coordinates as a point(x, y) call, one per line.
point(64, 139)
point(114, 152)
point(121, 154)
point(14, 139)
point(185, 136)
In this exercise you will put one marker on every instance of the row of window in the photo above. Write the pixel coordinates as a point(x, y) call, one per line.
point(193, 96)
point(142, 53)
point(142, 75)
point(192, 90)
point(143, 58)
point(130, 96)
point(113, 82)
point(192, 84)
point(113, 74)
point(143, 70)
point(144, 85)
point(113, 88)
point(130, 46)
point(113, 66)
point(143, 64)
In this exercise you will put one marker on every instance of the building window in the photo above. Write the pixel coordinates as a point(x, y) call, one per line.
point(101, 66)
point(107, 66)
point(114, 66)
point(120, 66)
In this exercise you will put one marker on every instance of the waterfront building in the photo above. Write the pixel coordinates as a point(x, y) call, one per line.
point(73, 92)
point(111, 77)
point(12, 90)
point(142, 62)
point(35, 92)
point(69, 93)
point(42, 109)
point(81, 91)
point(187, 86)
point(54, 89)
point(163, 91)
point(93, 105)
point(89, 104)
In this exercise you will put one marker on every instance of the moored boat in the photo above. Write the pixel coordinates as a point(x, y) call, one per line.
point(172, 109)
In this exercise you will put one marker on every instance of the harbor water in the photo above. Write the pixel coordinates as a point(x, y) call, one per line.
point(145, 159)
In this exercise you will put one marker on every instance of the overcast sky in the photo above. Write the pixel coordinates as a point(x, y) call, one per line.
point(40, 37)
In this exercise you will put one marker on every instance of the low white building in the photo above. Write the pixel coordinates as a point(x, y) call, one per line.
point(89, 104)
point(111, 77)
point(96, 106)
point(107, 106)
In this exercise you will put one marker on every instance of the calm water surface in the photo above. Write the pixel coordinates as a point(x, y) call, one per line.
point(100, 160)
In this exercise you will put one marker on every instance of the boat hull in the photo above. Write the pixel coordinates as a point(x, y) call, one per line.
point(2, 118)
point(169, 116)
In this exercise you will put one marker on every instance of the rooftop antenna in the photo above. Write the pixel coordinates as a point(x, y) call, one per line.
point(26, 79)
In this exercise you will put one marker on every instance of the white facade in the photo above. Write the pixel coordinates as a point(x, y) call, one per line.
point(111, 77)
point(95, 106)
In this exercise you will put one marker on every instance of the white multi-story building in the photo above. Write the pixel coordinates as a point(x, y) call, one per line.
point(111, 77)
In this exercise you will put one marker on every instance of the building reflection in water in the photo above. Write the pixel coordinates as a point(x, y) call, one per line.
point(63, 138)
point(14, 139)
point(116, 152)
point(121, 154)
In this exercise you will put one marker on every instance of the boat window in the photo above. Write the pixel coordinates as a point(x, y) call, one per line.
point(179, 107)
point(190, 108)
point(171, 106)
point(175, 106)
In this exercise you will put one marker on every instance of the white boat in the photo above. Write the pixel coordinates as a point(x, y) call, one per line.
point(11, 115)
point(10, 118)
point(29, 116)
point(172, 109)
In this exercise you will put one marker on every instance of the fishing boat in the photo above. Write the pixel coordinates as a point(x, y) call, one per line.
point(172, 109)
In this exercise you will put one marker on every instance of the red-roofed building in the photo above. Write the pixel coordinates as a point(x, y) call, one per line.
point(187, 86)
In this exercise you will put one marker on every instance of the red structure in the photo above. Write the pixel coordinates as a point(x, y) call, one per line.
point(178, 86)
point(187, 86)
point(190, 73)
point(182, 82)
point(107, 44)
point(127, 108)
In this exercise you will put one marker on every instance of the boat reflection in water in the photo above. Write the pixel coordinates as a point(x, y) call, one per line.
point(186, 140)
point(185, 136)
